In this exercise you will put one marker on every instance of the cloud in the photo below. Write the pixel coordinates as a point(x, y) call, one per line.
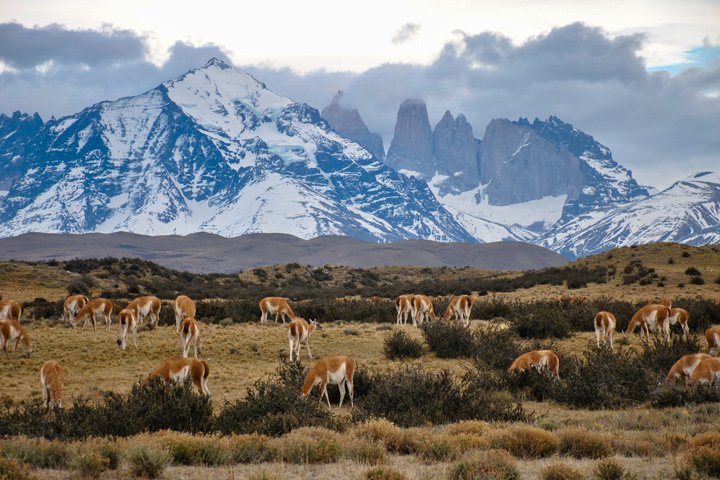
point(406, 32)
point(22, 47)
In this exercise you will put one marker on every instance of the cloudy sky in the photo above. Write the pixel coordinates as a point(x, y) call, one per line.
point(643, 77)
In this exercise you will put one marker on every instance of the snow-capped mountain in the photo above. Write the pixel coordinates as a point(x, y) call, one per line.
point(216, 151)
point(686, 212)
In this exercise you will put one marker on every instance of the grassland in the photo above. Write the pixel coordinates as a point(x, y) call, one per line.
point(651, 443)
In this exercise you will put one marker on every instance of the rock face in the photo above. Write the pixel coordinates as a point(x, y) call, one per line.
point(348, 123)
point(518, 165)
point(455, 149)
point(15, 132)
point(412, 144)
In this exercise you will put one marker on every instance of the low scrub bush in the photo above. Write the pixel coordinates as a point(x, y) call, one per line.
point(482, 399)
point(393, 438)
point(147, 462)
point(609, 470)
point(526, 442)
point(560, 471)
point(493, 464)
point(384, 473)
point(364, 452)
point(12, 470)
point(448, 339)
point(90, 465)
point(496, 347)
point(309, 446)
point(541, 323)
point(400, 345)
point(680, 395)
point(274, 407)
point(705, 460)
point(578, 443)
point(251, 449)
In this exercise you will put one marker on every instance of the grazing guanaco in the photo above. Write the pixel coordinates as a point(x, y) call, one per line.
point(460, 307)
point(712, 335)
point(184, 307)
point(605, 328)
point(52, 377)
point(404, 307)
point(538, 359)
point(682, 370)
point(299, 331)
point(275, 305)
point(681, 316)
point(147, 306)
point(12, 331)
point(707, 372)
point(93, 311)
point(10, 310)
point(651, 317)
point(190, 332)
point(178, 369)
point(128, 323)
point(422, 309)
point(73, 304)
point(337, 370)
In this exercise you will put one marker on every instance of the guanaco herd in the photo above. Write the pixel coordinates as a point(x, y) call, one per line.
point(691, 369)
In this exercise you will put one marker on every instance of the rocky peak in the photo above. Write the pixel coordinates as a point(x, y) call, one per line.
point(455, 148)
point(412, 144)
point(347, 122)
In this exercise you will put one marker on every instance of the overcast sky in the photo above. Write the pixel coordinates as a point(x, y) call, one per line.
point(643, 77)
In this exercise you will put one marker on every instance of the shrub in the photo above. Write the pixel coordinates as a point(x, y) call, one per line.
point(693, 271)
point(609, 470)
point(697, 281)
point(401, 396)
point(526, 442)
point(11, 470)
point(399, 345)
point(496, 347)
point(309, 445)
point(112, 454)
point(274, 407)
point(364, 452)
point(493, 464)
point(251, 449)
point(685, 254)
point(147, 462)
point(396, 440)
point(448, 339)
point(547, 322)
point(680, 396)
point(717, 280)
point(384, 473)
point(560, 471)
point(579, 443)
point(90, 465)
point(483, 400)
point(660, 355)
point(39, 453)
point(706, 460)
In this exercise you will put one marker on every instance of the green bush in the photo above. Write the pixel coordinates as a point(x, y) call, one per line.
point(274, 407)
point(448, 339)
point(399, 345)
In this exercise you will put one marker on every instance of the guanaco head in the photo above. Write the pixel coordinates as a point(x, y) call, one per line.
point(315, 324)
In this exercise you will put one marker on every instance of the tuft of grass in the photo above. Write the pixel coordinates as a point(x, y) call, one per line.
point(580, 443)
point(12, 470)
point(609, 470)
point(384, 473)
point(90, 465)
point(706, 460)
point(309, 445)
point(147, 462)
point(493, 464)
point(526, 442)
point(252, 448)
point(560, 471)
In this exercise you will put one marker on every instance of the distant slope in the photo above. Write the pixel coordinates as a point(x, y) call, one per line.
point(205, 253)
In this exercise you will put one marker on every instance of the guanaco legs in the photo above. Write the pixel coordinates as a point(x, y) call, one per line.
point(178, 369)
point(422, 309)
point(683, 369)
point(707, 372)
point(184, 307)
point(299, 331)
point(404, 307)
point(460, 307)
point(147, 306)
point(337, 370)
point(96, 309)
point(73, 304)
point(10, 310)
point(604, 328)
point(12, 331)
point(712, 335)
point(128, 323)
point(52, 377)
point(278, 306)
point(678, 315)
point(651, 317)
point(190, 332)
point(538, 359)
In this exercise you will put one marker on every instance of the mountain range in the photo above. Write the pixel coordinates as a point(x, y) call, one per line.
point(216, 151)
